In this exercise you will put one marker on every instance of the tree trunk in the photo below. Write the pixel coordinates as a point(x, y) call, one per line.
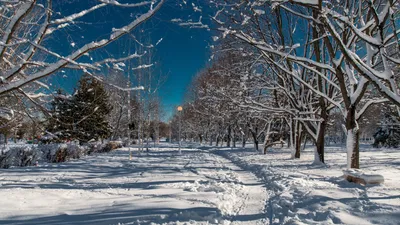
point(234, 138)
point(243, 140)
point(228, 141)
point(267, 140)
point(266, 145)
point(296, 138)
point(291, 138)
point(305, 141)
point(217, 141)
point(297, 144)
point(256, 144)
point(320, 143)
point(116, 130)
point(254, 135)
point(352, 143)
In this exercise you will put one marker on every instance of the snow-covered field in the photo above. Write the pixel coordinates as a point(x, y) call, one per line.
point(204, 185)
point(302, 193)
point(159, 187)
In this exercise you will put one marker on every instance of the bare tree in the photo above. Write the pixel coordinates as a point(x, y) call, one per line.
point(26, 57)
point(332, 35)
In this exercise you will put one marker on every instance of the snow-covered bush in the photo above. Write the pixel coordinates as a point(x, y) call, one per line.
point(27, 155)
point(56, 153)
point(48, 151)
point(19, 156)
point(97, 147)
point(94, 147)
point(112, 145)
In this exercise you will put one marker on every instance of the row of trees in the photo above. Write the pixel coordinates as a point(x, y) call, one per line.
point(293, 65)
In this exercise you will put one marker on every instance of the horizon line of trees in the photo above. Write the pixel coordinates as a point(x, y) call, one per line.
point(294, 65)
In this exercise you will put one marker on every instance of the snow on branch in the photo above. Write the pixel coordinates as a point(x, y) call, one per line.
point(74, 16)
point(6, 113)
point(17, 49)
point(20, 13)
point(113, 60)
point(144, 66)
point(116, 3)
point(191, 24)
point(303, 2)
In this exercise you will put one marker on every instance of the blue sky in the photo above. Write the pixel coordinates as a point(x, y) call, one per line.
point(181, 54)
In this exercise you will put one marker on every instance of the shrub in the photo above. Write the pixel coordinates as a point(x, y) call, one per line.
point(56, 153)
point(112, 145)
point(66, 152)
point(104, 148)
point(19, 156)
point(27, 155)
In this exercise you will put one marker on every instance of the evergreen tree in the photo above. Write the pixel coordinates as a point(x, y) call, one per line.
point(83, 116)
point(91, 109)
point(62, 116)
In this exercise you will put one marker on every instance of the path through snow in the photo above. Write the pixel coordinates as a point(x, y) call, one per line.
point(159, 187)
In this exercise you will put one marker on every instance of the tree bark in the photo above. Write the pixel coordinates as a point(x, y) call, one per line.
point(255, 139)
point(267, 140)
point(320, 142)
point(234, 138)
point(297, 143)
point(352, 143)
point(228, 141)
point(296, 138)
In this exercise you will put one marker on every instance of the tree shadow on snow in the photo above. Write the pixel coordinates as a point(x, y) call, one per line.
point(119, 214)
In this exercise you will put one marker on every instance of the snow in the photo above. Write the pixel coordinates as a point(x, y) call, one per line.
point(69, 60)
point(36, 95)
point(159, 41)
point(6, 113)
point(144, 66)
point(367, 177)
point(26, 6)
point(350, 146)
point(77, 15)
point(203, 185)
point(301, 192)
point(246, 19)
point(259, 12)
point(308, 2)
point(159, 187)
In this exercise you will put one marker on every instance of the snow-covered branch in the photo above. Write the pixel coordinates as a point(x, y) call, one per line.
point(17, 49)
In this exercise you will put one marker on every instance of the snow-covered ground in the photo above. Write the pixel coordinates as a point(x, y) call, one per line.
point(301, 192)
point(204, 185)
point(159, 187)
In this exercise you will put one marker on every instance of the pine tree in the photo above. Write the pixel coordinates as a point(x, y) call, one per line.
point(83, 116)
point(91, 109)
point(62, 116)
